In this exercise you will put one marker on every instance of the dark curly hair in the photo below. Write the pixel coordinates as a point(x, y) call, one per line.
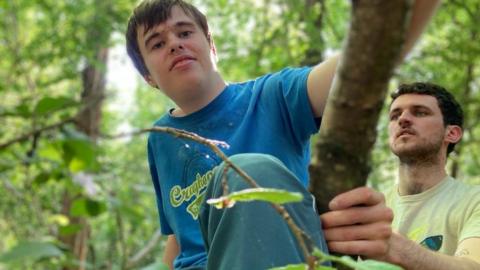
point(451, 110)
point(150, 13)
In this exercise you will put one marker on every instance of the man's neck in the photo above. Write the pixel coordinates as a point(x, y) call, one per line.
point(205, 94)
point(416, 178)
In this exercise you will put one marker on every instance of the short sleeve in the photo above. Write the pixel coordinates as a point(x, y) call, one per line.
point(294, 105)
point(471, 227)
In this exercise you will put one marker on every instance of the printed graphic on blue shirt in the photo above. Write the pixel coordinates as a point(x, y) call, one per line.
point(196, 190)
point(197, 173)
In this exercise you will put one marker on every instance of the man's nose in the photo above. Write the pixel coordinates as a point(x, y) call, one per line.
point(404, 119)
point(175, 45)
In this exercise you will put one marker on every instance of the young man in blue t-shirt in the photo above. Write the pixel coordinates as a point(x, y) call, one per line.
point(271, 117)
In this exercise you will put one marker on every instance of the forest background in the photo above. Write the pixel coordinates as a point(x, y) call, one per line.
point(73, 198)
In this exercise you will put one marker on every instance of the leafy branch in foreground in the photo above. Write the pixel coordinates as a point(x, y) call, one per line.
point(302, 238)
point(344, 260)
point(275, 197)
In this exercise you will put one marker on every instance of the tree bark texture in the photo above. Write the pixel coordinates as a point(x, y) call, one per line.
point(88, 122)
point(348, 129)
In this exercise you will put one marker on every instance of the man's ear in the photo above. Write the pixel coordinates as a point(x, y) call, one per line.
point(453, 133)
point(149, 80)
point(212, 44)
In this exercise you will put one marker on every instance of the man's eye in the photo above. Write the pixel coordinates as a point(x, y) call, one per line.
point(185, 34)
point(420, 113)
point(158, 45)
point(393, 117)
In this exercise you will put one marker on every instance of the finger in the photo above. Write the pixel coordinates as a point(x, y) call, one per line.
point(358, 196)
point(357, 215)
point(374, 231)
point(376, 248)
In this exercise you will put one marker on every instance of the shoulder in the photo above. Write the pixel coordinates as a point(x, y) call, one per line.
point(288, 73)
point(466, 188)
point(468, 195)
point(291, 73)
point(163, 120)
point(287, 80)
point(153, 136)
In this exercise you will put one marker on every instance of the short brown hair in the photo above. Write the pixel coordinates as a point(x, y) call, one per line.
point(151, 13)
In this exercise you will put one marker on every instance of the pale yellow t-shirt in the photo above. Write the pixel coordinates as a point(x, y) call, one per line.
point(439, 218)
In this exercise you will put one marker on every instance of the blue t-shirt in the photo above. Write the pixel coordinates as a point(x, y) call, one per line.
point(270, 115)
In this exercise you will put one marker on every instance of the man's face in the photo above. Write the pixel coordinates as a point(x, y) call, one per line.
point(416, 128)
point(177, 55)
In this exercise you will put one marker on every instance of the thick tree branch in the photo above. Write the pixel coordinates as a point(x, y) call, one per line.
point(374, 44)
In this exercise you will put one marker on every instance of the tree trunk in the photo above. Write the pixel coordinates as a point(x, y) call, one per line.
point(348, 129)
point(88, 122)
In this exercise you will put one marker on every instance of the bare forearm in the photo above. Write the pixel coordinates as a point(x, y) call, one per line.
point(412, 256)
point(422, 11)
point(171, 251)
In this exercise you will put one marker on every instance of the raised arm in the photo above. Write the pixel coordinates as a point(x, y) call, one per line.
point(321, 77)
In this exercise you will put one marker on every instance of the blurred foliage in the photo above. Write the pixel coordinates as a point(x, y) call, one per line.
point(44, 46)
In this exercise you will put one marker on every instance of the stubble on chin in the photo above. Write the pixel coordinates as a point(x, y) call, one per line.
point(426, 154)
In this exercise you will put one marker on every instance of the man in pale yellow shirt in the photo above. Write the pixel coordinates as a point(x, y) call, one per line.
point(437, 217)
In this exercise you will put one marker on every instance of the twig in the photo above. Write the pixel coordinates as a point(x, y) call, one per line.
point(299, 234)
point(26, 136)
point(133, 261)
point(224, 180)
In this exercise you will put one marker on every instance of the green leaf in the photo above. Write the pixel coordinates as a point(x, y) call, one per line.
point(87, 207)
point(155, 266)
point(357, 265)
point(77, 165)
point(51, 151)
point(301, 266)
point(22, 110)
point(79, 154)
point(258, 194)
point(323, 267)
point(30, 251)
point(375, 265)
point(49, 104)
point(42, 178)
point(69, 229)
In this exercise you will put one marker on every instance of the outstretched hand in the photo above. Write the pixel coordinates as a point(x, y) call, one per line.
point(359, 223)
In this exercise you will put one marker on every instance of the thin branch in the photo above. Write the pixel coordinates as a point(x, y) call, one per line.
point(26, 136)
point(133, 261)
point(224, 180)
point(299, 234)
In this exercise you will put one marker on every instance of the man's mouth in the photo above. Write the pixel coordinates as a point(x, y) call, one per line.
point(405, 132)
point(179, 60)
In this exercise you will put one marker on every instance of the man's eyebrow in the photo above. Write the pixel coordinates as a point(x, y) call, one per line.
point(394, 110)
point(183, 23)
point(154, 34)
point(151, 36)
point(420, 106)
point(415, 107)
